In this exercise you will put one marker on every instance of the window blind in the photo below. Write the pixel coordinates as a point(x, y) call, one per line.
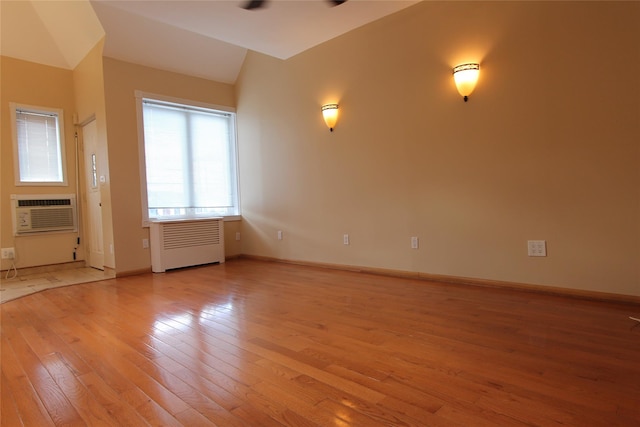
point(39, 148)
point(190, 161)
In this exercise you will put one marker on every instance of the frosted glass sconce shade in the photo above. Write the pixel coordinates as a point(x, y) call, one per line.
point(330, 115)
point(466, 77)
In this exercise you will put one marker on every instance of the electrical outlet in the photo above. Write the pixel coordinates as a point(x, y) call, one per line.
point(237, 235)
point(345, 239)
point(8, 253)
point(145, 243)
point(279, 234)
point(537, 247)
point(414, 243)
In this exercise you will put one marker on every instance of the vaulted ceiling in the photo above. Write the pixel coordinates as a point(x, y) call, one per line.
point(207, 39)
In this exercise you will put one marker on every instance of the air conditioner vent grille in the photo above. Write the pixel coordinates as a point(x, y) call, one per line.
point(44, 202)
point(52, 218)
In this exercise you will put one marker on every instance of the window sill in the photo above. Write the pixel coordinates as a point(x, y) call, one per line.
point(228, 218)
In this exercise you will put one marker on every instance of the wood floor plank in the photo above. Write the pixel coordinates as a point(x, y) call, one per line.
point(143, 363)
point(103, 361)
point(92, 411)
point(31, 409)
point(277, 410)
point(119, 410)
point(9, 412)
point(192, 417)
point(65, 376)
point(335, 400)
point(57, 403)
point(466, 415)
point(252, 343)
point(255, 416)
point(146, 378)
point(303, 407)
point(150, 410)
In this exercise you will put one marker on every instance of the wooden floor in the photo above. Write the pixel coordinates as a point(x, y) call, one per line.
point(253, 343)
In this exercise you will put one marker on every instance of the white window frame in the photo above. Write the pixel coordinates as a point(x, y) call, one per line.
point(140, 97)
point(58, 112)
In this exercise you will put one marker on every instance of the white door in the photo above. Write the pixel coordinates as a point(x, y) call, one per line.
point(95, 246)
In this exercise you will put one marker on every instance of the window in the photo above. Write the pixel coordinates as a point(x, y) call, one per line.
point(38, 146)
point(190, 160)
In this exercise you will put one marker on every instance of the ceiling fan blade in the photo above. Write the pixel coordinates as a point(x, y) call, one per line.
point(257, 4)
point(254, 4)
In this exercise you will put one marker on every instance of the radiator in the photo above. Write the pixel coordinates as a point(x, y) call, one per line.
point(185, 243)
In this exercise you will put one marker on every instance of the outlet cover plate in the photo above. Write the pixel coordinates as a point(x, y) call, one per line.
point(8, 253)
point(537, 247)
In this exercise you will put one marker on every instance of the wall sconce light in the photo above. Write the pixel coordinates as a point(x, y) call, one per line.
point(466, 77)
point(330, 115)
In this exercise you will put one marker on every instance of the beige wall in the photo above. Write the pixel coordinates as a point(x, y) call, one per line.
point(548, 146)
point(121, 80)
point(88, 82)
point(43, 86)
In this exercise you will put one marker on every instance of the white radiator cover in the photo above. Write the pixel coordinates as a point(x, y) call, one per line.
point(185, 243)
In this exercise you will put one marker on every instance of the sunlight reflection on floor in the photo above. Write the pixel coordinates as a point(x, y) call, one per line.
point(184, 321)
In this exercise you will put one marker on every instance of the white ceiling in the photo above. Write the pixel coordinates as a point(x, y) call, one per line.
point(207, 39)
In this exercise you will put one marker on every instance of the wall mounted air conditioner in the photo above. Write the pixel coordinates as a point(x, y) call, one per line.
point(39, 213)
point(185, 243)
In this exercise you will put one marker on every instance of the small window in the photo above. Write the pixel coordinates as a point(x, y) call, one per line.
point(190, 160)
point(38, 146)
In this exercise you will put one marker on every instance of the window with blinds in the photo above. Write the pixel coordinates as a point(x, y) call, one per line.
point(190, 160)
point(38, 146)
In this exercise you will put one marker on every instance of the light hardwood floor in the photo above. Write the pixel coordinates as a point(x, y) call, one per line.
point(253, 343)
